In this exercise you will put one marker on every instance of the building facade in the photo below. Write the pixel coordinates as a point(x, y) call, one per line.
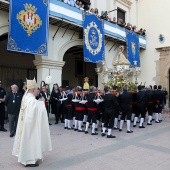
point(65, 57)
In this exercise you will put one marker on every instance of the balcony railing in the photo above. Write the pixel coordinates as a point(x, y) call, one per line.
point(60, 11)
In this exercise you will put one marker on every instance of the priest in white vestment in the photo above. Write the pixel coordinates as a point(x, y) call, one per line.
point(33, 134)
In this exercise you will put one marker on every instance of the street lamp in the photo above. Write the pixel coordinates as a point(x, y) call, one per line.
point(105, 13)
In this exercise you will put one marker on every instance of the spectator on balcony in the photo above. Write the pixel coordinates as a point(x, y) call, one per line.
point(128, 26)
point(86, 7)
point(92, 10)
point(73, 3)
point(140, 31)
point(82, 7)
point(80, 4)
point(144, 32)
point(96, 12)
point(77, 3)
point(134, 28)
point(120, 22)
point(109, 19)
point(114, 20)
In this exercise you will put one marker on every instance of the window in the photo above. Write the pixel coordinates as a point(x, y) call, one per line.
point(121, 14)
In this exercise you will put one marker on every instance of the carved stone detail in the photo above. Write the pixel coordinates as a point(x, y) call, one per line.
point(127, 3)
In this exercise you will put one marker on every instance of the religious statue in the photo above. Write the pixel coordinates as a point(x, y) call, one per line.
point(86, 83)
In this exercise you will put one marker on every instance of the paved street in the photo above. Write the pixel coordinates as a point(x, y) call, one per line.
point(145, 149)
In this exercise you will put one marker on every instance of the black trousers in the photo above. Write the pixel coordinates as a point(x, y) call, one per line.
point(68, 112)
point(2, 116)
point(158, 109)
point(116, 114)
point(79, 114)
point(13, 120)
point(127, 111)
point(150, 109)
point(141, 110)
point(92, 116)
point(109, 118)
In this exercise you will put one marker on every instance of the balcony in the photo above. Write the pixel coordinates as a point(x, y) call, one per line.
point(71, 18)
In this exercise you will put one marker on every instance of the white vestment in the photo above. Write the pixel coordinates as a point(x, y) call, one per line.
point(32, 135)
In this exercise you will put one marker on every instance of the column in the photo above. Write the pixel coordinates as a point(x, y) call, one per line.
point(45, 66)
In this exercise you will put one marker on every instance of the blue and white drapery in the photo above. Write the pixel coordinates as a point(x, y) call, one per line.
point(133, 50)
point(29, 26)
point(94, 48)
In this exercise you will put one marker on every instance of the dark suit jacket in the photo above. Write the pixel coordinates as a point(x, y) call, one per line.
point(110, 102)
point(13, 107)
point(90, 100)
point(125, 100)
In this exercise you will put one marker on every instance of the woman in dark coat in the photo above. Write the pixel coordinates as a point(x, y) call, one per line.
point(54, 101)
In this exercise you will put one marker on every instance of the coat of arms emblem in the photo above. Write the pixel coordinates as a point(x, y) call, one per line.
point(93, 38)
point(28, 19)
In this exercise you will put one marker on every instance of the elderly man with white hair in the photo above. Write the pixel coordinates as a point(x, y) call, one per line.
point(13, 102)
point(32, 135)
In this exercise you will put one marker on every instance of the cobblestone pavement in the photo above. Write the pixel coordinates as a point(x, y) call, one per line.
point(145, 149)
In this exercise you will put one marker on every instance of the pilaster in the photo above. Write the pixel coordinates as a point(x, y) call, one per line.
point(45, 67)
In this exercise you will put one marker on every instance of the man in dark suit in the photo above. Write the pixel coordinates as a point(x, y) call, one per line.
point(2, 107)
point(13, 102)
point(141, 106)
point(92, 110)
point(158, 104)
point(125, 101)
point(110, 104)
point(150, 100)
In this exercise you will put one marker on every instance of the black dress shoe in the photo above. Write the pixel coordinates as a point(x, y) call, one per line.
point(12, 135)
point(120, 130)
point(149, 123)
point(75, 129)
point(103, 134)
point(142, 126)
point(69, 128)
point(115, 128)
point(157, 122)
point(134, 125)
point(50, 124)
point(80, 130)
point(110, 136)
point(129, 131)
point(65, 127)
point(86, 132)
point(94, 133)
point(3, 130)
point(32, 165)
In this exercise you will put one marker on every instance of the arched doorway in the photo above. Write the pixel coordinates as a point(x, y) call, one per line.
point(75, 69)
point(14, 67)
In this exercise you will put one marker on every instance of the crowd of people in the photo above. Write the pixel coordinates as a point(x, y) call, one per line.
point(77, 4)
point(86, 6)
point(75, 107)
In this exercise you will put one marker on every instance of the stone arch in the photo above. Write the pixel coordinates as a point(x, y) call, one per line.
point(4, 28)
point(67, 46)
